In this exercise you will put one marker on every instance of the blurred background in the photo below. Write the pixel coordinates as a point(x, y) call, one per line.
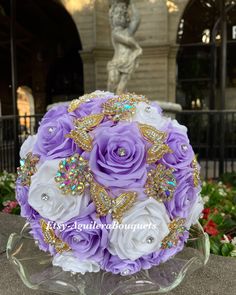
point(57, 50)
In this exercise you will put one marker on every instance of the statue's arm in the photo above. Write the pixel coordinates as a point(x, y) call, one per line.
point(126, 40)
point(135, 19)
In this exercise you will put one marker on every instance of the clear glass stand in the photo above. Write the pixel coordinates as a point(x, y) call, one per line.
point(37, 272)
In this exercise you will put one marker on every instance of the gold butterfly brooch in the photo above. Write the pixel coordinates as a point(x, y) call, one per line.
point(51, 239)
point(157, 138)
point(80, 134)
point(105, 204)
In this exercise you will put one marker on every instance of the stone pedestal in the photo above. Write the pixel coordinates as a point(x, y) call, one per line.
point(169, 108)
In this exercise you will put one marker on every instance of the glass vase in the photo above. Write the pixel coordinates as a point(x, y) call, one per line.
point(37, 272)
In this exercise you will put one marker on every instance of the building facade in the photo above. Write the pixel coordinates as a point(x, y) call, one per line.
point(63, 47)
point(157, 35)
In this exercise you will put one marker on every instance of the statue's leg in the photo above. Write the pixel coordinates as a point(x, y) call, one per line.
point(113, 79)
point(122, 84)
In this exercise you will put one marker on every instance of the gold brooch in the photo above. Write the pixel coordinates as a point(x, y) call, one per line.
point(157, 138)
point(123, 106)
point(196, 172)
point(107, 205)
point(161, 183)
point(73, 175)
point(75, 103)
point(27, 168)
point(177, 230)
point(80, 134)
point(51, 239)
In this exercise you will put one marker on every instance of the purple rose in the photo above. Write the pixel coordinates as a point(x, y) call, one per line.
point(120, 266)
point(182, 154)
point(87, 243)
point(166, 254)
point(163, 255)
point(118, 157)
point(55, 112)
point(22, 197)
point(94, 105)
point(184, 196)
point(51, 141)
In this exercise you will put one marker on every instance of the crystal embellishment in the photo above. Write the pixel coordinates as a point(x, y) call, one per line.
point(147, 109)
point(44, 197)
point(122, 107)
point(73, 175)
point(184, 147)
point(27, 168)
point(51, 129)
point(125, 272)
point(121, 152)
point(150, 240)
point(177, 229)
point(161, 183)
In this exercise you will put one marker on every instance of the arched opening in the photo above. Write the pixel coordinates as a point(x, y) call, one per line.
point(47, 49)
point(198, 59)
point(25, 107)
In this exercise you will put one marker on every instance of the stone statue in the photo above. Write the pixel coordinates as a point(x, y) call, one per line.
point(127, 50)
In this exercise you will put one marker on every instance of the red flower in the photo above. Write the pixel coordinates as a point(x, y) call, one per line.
point(211, 228)
point(206, 212)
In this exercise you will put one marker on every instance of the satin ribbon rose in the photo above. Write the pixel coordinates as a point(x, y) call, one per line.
point(118, 157)
point(148, 222)
point(47, 199)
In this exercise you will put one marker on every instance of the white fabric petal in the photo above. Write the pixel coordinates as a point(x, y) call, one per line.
point(68, 262)
point(195, 212)
point(147, 114)
point(27, 146)
point(132, 243)
point(57, 206)
point(175, 124)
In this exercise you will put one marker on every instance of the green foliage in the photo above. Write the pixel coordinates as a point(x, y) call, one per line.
point(219, 215)
point(8, 202)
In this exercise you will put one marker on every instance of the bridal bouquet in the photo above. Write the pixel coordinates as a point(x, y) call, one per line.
point(109, 183)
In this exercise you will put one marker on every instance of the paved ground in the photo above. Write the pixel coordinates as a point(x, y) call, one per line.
point(217, 278)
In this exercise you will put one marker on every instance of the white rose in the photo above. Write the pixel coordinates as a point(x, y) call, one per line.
point(46, 198)
point(135, 242)
point(68, 262)
point(147, 114)
point(195, 212)
point(233, 241)
point(102, 93)
point(27, 146)
point(175, 124)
